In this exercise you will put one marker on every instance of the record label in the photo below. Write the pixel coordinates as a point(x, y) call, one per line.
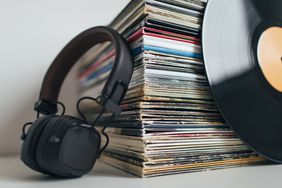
point(270, 56)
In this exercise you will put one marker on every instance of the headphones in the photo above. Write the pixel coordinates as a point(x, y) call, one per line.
point(66, 146)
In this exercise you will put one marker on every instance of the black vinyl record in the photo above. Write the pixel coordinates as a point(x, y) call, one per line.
point(242, 47)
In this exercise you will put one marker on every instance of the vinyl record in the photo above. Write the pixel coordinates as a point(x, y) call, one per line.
point(242, 47)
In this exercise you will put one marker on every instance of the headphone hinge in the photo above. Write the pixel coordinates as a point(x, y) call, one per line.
point(45, 107)
point(109, 105)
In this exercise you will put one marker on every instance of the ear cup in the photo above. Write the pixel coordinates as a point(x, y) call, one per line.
point(66, 148)
point(44, 157)
point(28, 150)
point(81, 146)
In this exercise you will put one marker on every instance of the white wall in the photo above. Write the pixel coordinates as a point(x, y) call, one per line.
point(32, 32)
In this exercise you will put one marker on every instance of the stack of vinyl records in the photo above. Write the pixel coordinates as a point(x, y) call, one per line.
point(170, 123)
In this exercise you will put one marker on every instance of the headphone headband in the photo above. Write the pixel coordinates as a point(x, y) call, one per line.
point(117, 83)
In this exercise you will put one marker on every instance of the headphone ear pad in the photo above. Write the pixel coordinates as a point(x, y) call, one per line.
point(28, 150)
point(68, 148)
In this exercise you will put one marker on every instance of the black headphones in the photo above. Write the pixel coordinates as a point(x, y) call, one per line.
point(66, 146)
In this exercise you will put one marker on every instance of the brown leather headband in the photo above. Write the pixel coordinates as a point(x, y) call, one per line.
point(117, 82)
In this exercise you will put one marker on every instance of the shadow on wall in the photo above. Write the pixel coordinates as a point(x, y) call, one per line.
point(11, 130)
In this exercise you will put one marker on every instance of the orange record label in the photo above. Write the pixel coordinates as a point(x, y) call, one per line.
point(270, 56)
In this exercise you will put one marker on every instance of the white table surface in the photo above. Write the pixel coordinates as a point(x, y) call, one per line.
point(14, 174)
